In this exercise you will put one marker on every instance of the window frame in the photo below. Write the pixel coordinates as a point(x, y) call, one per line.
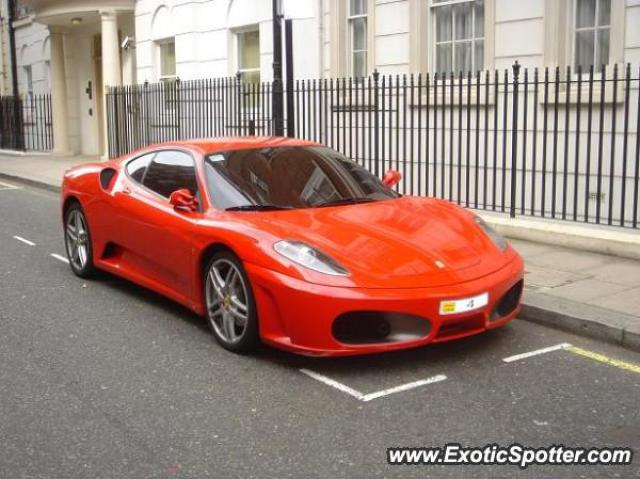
point(238, 55)
point(422, 36)
point(160, 44)
point(28, 79)
point(595, 28)
point(152, 154)
point(169, 82)
point(339, 41)
point(433, 7)
point(351, 51)
point(559, 42)
point(155, 153)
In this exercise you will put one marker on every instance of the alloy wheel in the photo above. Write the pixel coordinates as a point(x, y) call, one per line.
point(227, 301)
point(77, 239)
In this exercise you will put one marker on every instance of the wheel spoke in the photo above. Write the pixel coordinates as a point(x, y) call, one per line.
point(238, 309)
point(71, 233)
point(229, 327)
point(215, 307)
point(82, 255)
point(230, 280)
point(80, 226)
point(214, 284)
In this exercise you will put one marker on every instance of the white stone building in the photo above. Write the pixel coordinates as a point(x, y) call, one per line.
point(76, 48)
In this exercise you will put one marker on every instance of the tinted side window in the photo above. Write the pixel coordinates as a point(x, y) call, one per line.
point(170, 171)
point(137, 166)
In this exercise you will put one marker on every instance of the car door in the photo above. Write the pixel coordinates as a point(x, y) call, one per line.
point(158, 238)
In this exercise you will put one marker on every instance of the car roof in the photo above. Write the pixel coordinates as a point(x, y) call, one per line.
point(213, 145)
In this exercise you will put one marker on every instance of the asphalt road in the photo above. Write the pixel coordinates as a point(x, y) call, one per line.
point(104, 379)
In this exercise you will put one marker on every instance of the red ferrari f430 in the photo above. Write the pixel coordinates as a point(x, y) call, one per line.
point(290, 243)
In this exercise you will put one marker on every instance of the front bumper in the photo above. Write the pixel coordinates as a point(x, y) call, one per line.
point(298, 316)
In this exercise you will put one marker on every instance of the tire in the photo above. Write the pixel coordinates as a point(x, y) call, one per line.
point(230, 304)
point(77, 240)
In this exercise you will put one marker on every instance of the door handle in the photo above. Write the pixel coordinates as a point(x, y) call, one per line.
point(126, 191)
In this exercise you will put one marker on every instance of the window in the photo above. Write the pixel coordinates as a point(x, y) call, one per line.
point(357, 21)
point(459, 35)
point(249, 56)
point(167, 60)
point(167, 70)
point(170, 171)
point(289, 177)
point(137, 167)
point(592, 30)
point(28, 80)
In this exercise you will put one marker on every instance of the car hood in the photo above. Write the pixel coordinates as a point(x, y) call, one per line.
point(406, 242)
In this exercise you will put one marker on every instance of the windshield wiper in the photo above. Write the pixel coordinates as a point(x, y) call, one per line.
point(343, 201)
point(257, 208)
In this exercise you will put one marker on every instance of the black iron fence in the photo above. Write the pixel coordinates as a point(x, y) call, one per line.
point(550, 143)
point(25, 123)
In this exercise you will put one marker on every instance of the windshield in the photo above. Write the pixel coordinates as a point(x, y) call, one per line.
point(289, 177)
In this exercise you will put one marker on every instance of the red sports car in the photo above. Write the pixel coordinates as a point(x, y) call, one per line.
point(289, 242)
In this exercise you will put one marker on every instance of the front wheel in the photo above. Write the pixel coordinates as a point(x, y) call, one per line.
point(78, 242)
point(231, 307)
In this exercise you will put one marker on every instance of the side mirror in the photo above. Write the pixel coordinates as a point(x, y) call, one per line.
point(391, 178)
point(183, 200)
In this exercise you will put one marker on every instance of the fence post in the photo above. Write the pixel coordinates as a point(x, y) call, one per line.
point(514, 140)
point(178, 111)
point(20, 126)
point(376, 128)
point(147, 120)
point(288, 35)
point(238, 112)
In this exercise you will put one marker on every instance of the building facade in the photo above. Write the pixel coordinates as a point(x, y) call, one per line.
point(76, 49)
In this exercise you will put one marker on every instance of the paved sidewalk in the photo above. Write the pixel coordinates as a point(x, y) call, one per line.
point(42, 170)
point(593, 294)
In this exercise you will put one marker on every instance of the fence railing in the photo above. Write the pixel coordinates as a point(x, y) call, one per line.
point(550, 143)
point(26, 123)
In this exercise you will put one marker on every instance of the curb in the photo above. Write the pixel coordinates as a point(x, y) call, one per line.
point(583, 319)
point(602, 239)
point(31, 182)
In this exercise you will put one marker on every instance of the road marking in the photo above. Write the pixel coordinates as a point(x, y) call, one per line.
point(375, 395)
point(404, 387)
point(24, 240)
point(605, 359)
point(537, 352)
point(60, 258)
point(7, 186)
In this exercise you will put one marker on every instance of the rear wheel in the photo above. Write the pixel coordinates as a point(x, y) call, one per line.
point(231, 308)
point(78, 242)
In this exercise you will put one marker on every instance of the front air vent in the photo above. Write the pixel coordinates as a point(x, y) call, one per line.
point(107, 176)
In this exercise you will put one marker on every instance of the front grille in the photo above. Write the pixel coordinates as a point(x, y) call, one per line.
point(509, 302)
point(371, 327)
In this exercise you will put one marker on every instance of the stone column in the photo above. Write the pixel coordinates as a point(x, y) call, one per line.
point(59, 108)
point(111, 67)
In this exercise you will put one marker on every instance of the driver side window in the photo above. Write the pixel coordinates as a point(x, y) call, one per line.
point(170, 171)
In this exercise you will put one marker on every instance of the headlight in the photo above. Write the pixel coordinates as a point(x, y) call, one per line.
point(309, 257)
point(496, 237)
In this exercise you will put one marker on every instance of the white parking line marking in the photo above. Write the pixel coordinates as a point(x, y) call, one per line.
point(60, 258)
point(334, 384)
point(24, 240)
point(7, 186)
point(537, 352)
point(375, 395)
point(404, 387)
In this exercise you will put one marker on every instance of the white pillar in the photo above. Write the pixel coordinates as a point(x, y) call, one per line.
point(111, 68)
point(59, 107)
